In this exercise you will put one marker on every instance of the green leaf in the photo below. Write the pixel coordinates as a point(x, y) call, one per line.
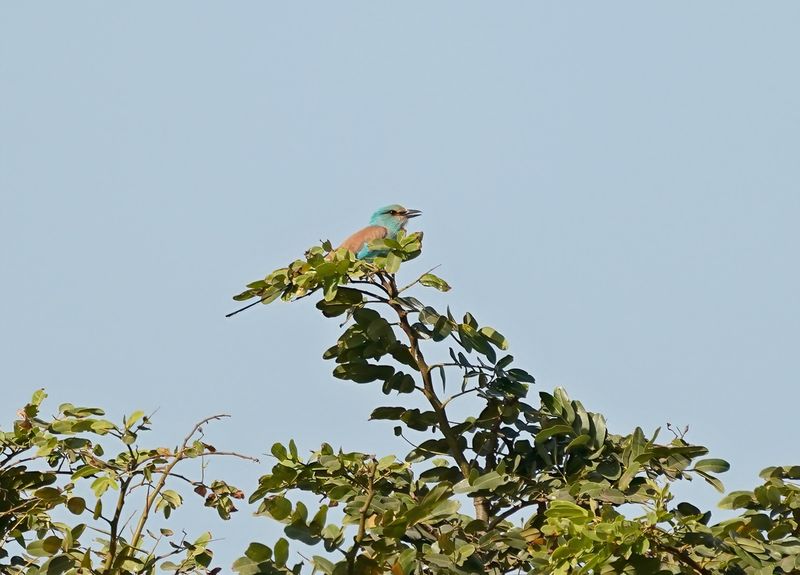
point(76, 505)
point(363, 372)
point(391, 413)
point(431, 280)
point(258, 552)
point(504, 362)
point(486, 482)
point(85, 471)
point(400, 382)
point(133, 418)
point(442, 328)
point(712, 465)
point(520, 375)
point(332, 309)
point(36, 549)
point(58, 565)
point(279, 451)
point(598, 428)
point(737, 500)
point(687, 509)
point(495, 337)
point(324, 565)
point(402, 354)
point(102, 484)
point(279, 507)
point(578, 442)
point(38, 397)
point(281, 552)
point(549, 432)
point(566, 510)
point(711, 480)
point(47, 494)
point(393, 262)
point(245, 295)
point(611, 469)
point(52, 544)
point(329, 288)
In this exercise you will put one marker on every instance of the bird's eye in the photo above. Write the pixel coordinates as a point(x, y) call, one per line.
point(393, 212)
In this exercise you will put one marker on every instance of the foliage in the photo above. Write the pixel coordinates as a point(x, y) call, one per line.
point(65, 506)
point(551, 489)
point(503, 484)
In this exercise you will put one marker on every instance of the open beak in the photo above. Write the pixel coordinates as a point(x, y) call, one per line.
point(412, 213)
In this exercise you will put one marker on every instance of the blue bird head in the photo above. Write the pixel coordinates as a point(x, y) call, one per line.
point(394, 218)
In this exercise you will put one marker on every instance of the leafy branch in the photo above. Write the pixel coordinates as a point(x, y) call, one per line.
point(553, 465)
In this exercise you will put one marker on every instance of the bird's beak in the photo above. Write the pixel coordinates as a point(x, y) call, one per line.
point(412, 213)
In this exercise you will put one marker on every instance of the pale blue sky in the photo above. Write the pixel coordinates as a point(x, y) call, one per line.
point(612, 185)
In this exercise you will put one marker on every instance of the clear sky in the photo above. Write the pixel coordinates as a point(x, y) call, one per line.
point(613, 185)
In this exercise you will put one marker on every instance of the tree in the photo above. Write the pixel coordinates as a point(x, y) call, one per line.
point(552, 490)
point(517, 486)
point(48, 470)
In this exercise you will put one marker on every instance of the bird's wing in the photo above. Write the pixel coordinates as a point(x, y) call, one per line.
point(362, 237)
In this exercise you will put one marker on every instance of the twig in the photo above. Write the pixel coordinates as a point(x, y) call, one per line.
point(362, 523)
point(481, 506)
point(248, 306)
point(151, 497)
point(376, 284)
point(459, 394)
point(509, 512)
point(361, 291)
point(114, 522)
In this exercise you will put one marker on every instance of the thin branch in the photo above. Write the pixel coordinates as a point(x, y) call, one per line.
point(362, 522)
point(457, 395)
point(407, 440)
point(25, 460)
point(682, 556)
point(481, 506)
point(248, 306)
point(446, 364)
point(372, 283)
point(114, 522)
point(230, 454)
point(178, 456)
point(510, 511)
point(11, 456)
point(365, 292)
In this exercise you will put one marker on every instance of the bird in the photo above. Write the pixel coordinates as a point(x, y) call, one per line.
point(384, 223)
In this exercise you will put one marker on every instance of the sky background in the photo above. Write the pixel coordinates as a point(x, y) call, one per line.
point(614, 186)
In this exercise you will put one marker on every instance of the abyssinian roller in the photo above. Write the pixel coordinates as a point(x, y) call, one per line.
point(385, 223)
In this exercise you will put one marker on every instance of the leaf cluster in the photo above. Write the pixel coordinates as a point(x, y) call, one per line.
point(552, 490)
point(55, 469)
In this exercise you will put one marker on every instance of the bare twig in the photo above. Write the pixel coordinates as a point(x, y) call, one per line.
point(177, 457)
point(457, 395)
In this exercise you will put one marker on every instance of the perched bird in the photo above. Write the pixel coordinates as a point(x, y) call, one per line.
point(385, 223)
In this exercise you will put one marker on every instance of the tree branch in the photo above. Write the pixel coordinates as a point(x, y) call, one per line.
point(362, 522)
point(151, 497)
point(481, 506)
point(114, 522)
